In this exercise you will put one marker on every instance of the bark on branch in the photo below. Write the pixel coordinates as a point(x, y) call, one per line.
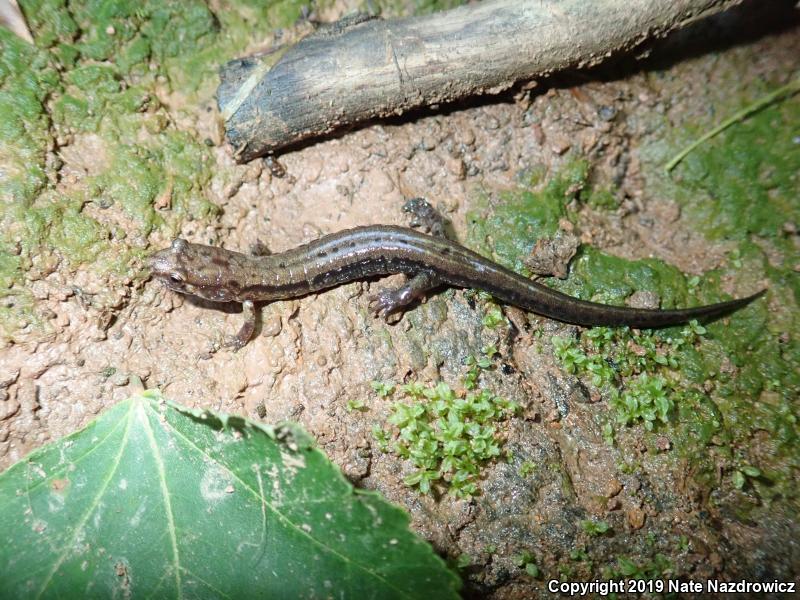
point(361, 69)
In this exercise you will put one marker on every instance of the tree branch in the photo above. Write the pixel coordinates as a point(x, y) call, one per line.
point(361, 68)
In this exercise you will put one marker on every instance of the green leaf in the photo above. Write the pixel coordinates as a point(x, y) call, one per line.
point(751, 471)
point(626, 566)
point(383, 388)
point(152, 500)
point(532, 570)
point(595, 527)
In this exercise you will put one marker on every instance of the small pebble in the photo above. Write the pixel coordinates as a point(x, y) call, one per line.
point(607, 113)
point(636, 518)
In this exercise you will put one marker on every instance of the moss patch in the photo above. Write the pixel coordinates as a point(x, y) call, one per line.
point(709, 395)
point(91, 94)
point(508, 229)
point(743, 186)
point(745, 182)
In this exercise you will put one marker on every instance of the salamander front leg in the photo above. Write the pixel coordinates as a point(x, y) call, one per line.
point(390, 301)
point(259, 248)
point(425, 216)
point(238, 341)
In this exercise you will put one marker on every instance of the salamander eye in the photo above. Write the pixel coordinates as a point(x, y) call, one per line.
point(175, 278)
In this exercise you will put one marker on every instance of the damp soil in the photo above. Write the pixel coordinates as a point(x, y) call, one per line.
point(311, 356)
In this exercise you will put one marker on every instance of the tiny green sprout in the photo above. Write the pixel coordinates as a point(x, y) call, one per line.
point(414, 389)
point(493, 317)
point(736, 258)
point(383, 388)
point(578, 555)
point(358, 405)
point(441, 391)
point(571, 355)
point(608, 433)
point(595, 528)
point(523, 558)
point(490, 549)
point(693, 282)
point(696, 328)
point(645, 399)
point(751, 471)
point(447, 436)
point(381, 437)
point(526, 560)
point(601, 372)
point(599, 337)
point(655, 568)
point(421, 478)
point(463, 561)
point(478, 364)
point(527, 468)
point(489, 350)
point(566, 572)
point(633, 370)
point(659, 566)
point(627, 567)
point(683, 544)
point(472, 375)
point(741, 475)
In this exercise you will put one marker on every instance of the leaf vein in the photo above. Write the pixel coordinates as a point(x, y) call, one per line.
point(162, 477)
point(90, 509)
point(282, 517)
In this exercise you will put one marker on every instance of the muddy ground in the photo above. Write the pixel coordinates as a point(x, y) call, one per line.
point(313, 355)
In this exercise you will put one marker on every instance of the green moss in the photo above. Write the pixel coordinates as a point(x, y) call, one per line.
point(609, 279)
point(745, 181)
point(175, 167)
point(26, 80)
point(509, 230)
point(742, 184)
point(743, 187)
point(602, 199)
point(79, 237)
point(101, 67)
point(706, 394)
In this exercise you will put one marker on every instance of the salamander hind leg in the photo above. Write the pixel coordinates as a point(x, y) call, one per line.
point(423, 215)
point(389, 303)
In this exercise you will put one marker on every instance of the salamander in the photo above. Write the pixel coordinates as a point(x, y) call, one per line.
point(221, 275)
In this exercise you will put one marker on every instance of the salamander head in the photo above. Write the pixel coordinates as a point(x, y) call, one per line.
point(195, 269)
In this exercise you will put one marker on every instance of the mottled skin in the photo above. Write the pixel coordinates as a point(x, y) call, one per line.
point(224, 276)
